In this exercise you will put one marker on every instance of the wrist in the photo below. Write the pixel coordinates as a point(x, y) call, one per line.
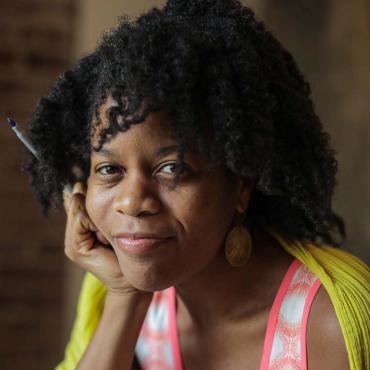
point(128, 299)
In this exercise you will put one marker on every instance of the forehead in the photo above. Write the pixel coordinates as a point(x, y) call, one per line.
point(151, 137)
point(155, 126)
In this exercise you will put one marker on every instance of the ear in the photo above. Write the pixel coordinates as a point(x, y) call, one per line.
point(244, 191)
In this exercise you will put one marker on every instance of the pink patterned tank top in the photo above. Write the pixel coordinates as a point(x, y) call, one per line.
point(284, 348)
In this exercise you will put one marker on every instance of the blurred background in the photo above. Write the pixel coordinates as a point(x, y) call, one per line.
point(40, 38)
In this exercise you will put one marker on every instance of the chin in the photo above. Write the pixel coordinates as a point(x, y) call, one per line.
point(150, 286)
point(149, 281)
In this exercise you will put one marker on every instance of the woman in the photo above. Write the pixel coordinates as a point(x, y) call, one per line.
point(201, 207)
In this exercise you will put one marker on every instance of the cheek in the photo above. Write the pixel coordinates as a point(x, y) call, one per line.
point(97, 206)
point(202, 212)
point(206, 215)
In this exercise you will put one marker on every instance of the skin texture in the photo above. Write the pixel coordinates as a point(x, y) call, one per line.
point(325, 342)
point(222, 311)
point(137, 197)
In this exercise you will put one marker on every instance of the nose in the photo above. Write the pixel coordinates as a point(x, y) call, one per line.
point(135, 196)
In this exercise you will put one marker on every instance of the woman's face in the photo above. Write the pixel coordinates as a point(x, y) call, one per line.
point(129, 191)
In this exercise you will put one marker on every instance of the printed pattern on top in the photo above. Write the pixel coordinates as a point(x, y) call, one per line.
point(288, 350)
point(154, 348)
point(157, 347)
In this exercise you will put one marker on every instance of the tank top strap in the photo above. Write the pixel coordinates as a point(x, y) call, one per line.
point(154, 347)
point(285, 339)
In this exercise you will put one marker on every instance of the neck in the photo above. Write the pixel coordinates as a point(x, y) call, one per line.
point(223, 293)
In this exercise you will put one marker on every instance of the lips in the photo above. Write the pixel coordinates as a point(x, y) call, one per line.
point(141, 235)
point(139, 245)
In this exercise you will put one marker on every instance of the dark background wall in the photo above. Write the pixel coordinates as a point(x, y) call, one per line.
point(40, 38)
point(330, 41)
point(35, 45)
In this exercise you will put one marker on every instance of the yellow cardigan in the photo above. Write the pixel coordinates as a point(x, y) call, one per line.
point(344, 276)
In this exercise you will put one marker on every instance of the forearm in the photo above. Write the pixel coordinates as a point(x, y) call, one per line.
point(113, 343)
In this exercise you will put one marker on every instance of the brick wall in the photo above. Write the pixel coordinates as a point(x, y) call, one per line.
point(35, 46)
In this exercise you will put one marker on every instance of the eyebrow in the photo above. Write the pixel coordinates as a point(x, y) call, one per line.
point(165, 150)
point(159, 153)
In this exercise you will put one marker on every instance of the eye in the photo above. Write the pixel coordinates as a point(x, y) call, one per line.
point(172, 166)
point(108, 170)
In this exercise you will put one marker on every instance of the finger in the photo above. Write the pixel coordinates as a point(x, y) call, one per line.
point(77, 204)
point(79, 233)
point(85, 223)
point(102, 238)
point(79, 188)
point(88, 224)
point(83, 240)
point(66, 201)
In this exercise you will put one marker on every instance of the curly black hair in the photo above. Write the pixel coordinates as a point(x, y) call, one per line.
point(198, 61)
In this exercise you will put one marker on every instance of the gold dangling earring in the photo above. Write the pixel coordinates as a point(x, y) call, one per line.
point(238, 245)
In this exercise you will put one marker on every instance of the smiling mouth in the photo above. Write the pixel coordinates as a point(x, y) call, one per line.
point(140, 245)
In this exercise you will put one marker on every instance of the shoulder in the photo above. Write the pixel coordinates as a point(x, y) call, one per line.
point(325, 342)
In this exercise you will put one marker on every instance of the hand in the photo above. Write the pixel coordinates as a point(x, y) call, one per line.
point(86, 246)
